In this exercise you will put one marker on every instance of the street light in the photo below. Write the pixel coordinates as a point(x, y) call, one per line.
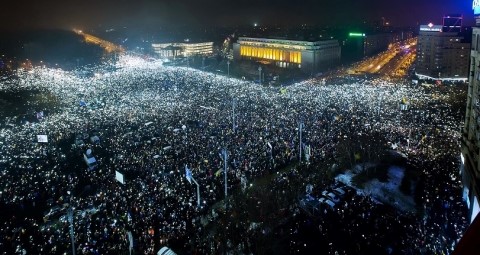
point(300, 127)
point(233, 114)
point(260, 75)
point(225, 157)
point(70, 220)
point(228, 67)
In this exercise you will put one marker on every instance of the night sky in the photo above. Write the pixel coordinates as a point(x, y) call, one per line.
point(91, 14)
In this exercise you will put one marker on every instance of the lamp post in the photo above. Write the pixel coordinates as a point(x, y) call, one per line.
point(225, 157)
point(198, 192)
point(260, 75)
point(70, 220)
point(300, 127)
point(233, 115)
point(228, 68)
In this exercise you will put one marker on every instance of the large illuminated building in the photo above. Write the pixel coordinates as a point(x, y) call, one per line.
point(306, 55)
point(185, 49)
point(442, 55)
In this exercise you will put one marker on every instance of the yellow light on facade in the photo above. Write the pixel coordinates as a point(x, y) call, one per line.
point(271, 54)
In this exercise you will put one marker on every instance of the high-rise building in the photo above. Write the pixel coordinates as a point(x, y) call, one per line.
point(442, 55)
point(471, 131)
point(470, 167)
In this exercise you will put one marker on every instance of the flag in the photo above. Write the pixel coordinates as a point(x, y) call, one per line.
point(188, 174)
point(40, 115)
point(394, 146)
point(306, 151)
point(119, 177)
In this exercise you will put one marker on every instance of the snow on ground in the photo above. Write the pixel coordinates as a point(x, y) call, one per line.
point(385, 192)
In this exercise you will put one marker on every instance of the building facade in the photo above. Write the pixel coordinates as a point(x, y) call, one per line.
point(308, 56)
point(442, 55)
point(470, 168)
point(185, 49)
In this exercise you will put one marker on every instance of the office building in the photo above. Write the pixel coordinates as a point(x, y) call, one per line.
point(185, 49)
point(306, 55)
point(470, 153)
point(442, 55)
point(470, 168)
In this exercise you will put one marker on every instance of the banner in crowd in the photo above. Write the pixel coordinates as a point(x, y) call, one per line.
point(42, 138)
point(119, 177)
point(188, 174)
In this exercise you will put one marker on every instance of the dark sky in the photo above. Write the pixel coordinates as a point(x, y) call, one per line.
point(91, 14)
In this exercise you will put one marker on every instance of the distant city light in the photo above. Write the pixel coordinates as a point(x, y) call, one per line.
point(255, 24)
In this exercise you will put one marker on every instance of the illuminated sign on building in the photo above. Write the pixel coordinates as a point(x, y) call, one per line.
point(431, 28)
point(476, 7)
point(357, 34)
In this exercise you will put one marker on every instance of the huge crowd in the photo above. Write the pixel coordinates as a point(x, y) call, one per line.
point(152, 121)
